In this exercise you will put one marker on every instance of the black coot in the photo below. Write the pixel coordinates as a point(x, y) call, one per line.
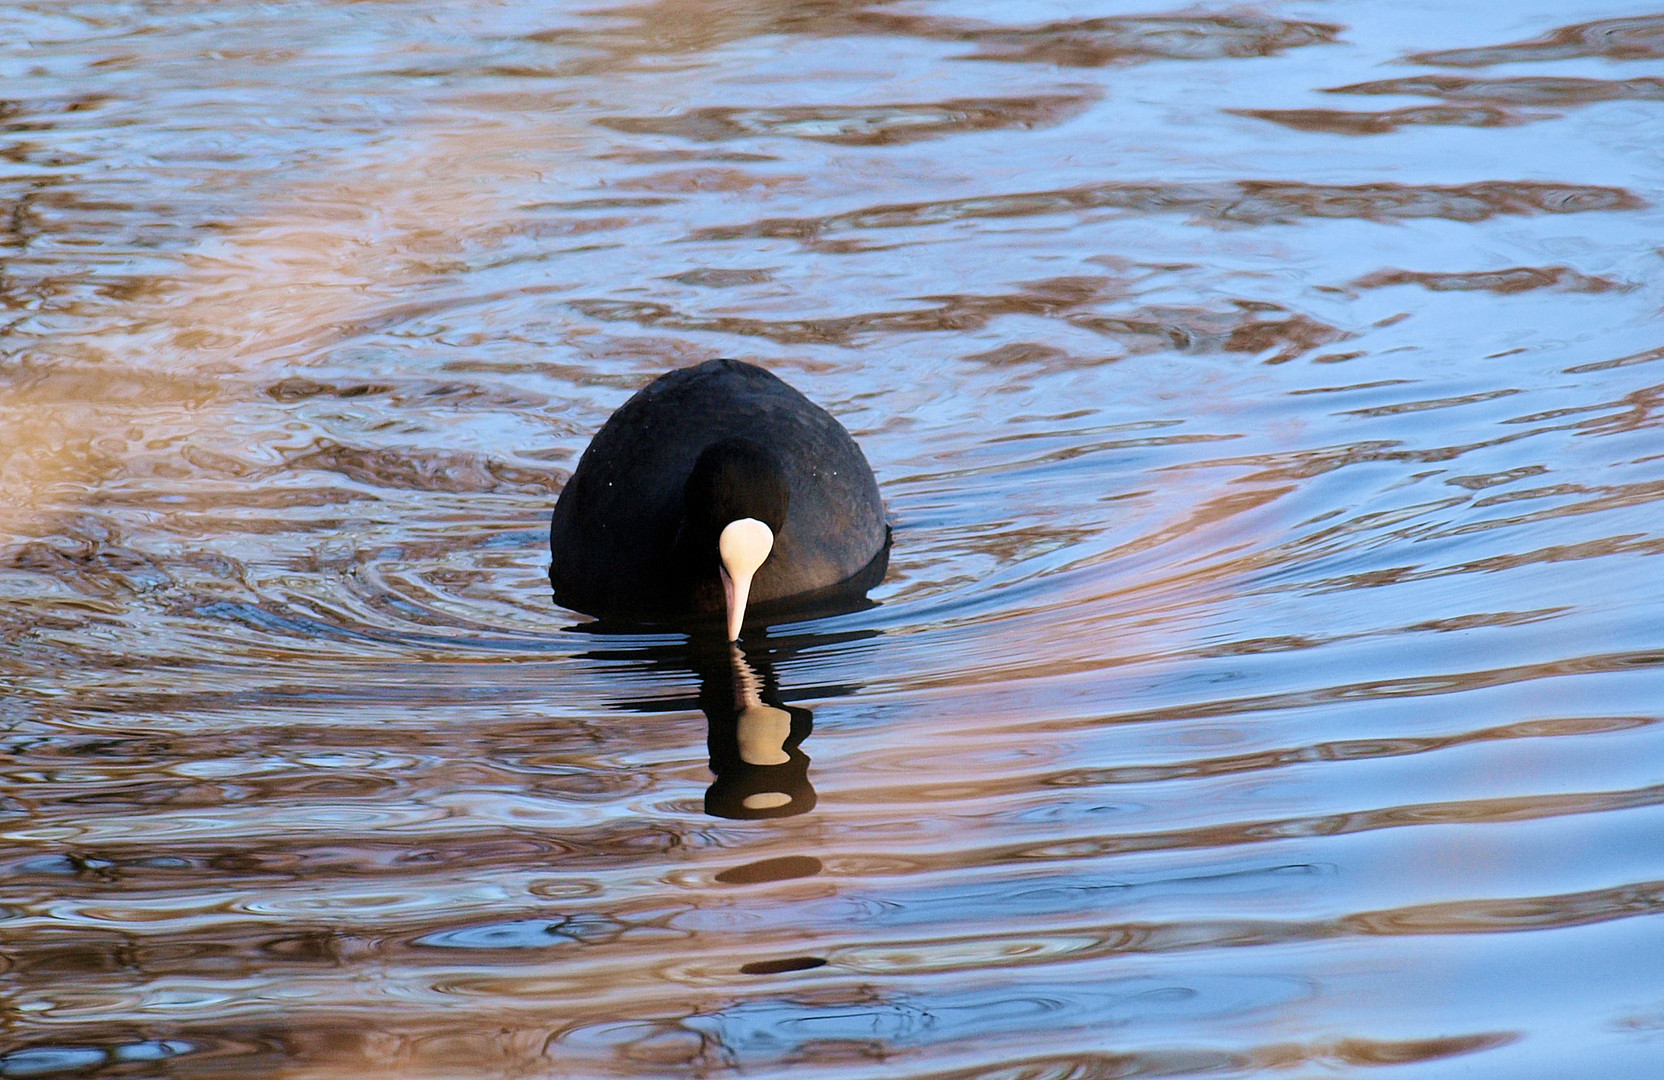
point(712, 487)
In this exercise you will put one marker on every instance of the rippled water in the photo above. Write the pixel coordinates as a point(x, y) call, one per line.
point(1267, 679)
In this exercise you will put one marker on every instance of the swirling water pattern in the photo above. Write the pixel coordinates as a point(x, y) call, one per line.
point(1266, 681)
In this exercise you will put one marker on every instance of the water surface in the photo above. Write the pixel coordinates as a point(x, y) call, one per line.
point(1267, 678)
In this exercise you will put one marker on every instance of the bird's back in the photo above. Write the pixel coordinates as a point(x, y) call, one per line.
point(616, 520)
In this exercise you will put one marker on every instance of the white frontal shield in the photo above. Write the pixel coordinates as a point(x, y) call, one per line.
point(743, 546)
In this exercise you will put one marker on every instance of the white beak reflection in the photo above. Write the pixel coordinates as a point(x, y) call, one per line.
point(760, 773)
point(763, 729)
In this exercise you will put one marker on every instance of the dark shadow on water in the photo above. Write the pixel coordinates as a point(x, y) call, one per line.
point(755, 735)
point(755, 741)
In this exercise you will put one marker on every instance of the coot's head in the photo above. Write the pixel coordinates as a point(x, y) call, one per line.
point(734, 505)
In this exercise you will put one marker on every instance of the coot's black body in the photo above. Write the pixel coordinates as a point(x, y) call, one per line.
point(626, 544)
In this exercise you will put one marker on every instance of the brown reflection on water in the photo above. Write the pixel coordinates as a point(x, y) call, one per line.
point(690, 27)
point(70, 428)
point(997, 786)
point(1264, 643)
point(1071, 944)
point(679, 27)
point(1469, 102)
point(1639, 37)
point(686, 1046)
point(953, 313)
point(1141, 330)
point(151, 392)
point(1248, 202)
point(1520, 90)
point(1340, 122)
point(1515, 279)
point(870, 125)
point(1127, 40)
point(1340, 1052)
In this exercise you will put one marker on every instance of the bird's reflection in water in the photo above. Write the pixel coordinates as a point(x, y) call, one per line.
point(755, 738)
point(755, 743)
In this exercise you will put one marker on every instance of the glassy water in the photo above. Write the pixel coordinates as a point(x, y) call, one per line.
point(1267, 402)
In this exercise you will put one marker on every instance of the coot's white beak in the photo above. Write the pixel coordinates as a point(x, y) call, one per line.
point(743, 545)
